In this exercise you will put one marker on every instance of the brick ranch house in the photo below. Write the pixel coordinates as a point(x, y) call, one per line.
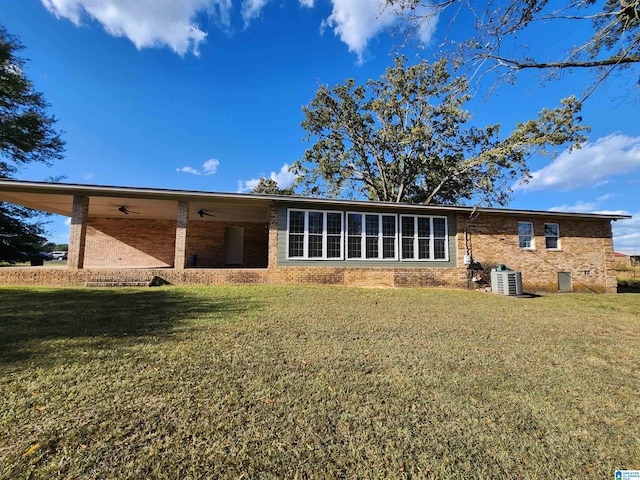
point(193, 237)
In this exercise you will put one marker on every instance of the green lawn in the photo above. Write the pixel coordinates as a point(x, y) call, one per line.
point(316, 382)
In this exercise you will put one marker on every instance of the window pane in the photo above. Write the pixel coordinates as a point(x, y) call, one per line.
point(371, 224)
point(525, 234)
point(388, 226)
point(372, 247)
point(296, 222)
point(315, 246)
point(354, 247)
point(296, 245)
point(551, 235)
point(315, 222)
point(354, 223)
point(407, 247)
point(333, 247)
point(407, 226)
point(389, 247)
point(423, 248)
point(334, 223)
point(439, 227)
point(551, 229)
point(439, 249)
point(525, 228)
point(424, 227)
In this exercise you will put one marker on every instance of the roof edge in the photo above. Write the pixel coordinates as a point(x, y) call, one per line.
point(104, 190)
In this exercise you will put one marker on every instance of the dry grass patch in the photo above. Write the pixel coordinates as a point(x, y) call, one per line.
point(312, 382)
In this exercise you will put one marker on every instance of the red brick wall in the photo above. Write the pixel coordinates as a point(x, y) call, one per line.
point(206, 240)
point(129, 242)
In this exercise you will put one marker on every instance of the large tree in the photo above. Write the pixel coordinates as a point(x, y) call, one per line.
point(268, 186)
point(27, 134)
point(611, 43)
point(406, 138)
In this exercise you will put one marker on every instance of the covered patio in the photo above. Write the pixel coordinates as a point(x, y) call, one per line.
point(114, 230)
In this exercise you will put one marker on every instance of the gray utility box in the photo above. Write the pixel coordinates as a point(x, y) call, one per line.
point(506, 282)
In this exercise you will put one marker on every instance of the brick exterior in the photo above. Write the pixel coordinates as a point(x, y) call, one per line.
point(77, 232)
point(182, 220)
point(149, 247)
point(129, 242)
point(586, 251)
point(206, 240)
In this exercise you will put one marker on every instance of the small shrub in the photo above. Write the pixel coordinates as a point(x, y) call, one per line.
point(629, 282)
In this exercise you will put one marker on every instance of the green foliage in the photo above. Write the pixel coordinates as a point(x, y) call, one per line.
point(406, 138)
point(612, 46)
point(27, 135)
point(54, 247)
point(268, 186)
point(20, 237)
point(629, 282)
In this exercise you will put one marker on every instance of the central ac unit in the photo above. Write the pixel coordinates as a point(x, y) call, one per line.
point(506, 282)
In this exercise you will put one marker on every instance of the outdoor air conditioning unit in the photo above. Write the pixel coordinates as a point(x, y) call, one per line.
point(506, 282)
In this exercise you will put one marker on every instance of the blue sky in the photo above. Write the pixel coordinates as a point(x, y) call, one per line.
point(208, 95)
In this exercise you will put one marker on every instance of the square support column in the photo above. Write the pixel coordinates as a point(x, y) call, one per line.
point(78, 232)
point(273, 236)
point(182, 219)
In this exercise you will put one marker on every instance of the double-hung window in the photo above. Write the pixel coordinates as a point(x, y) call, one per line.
point(371, 236)
point(525, 235)
point(552, 236)
point(314, 235)
point(424, 238)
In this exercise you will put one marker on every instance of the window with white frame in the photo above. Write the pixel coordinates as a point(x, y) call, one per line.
point(552, 236)
point(371, 236)
point(314, 234)
point(525, 235)
point(423, 238)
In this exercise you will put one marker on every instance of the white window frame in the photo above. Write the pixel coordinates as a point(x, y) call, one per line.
point(431, 239)
point(532, 245)
point(325, 234)
point(363, 238)
point(557, 236)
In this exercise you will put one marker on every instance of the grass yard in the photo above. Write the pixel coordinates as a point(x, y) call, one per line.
point(316, 382)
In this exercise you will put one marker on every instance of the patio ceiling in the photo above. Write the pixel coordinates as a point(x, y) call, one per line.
point(139, 204)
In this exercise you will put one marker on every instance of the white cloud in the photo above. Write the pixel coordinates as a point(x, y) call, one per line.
point(591, 165)
point(356, 22)
point(284, 178)
point(626, 235)
point(578, 207)
point(251, 10)
point(147, 23)
point(88, 176)
point(172, 23)
point(208, 168)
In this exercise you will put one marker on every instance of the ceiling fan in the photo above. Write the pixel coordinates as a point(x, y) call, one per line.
point(204, 213)
point(126, 211)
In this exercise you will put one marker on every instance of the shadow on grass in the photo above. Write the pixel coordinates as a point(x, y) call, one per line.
point(31, 317)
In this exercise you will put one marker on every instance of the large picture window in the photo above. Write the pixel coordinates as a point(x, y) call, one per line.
point(371, 236)
point(314, 235)
point(424, 238)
